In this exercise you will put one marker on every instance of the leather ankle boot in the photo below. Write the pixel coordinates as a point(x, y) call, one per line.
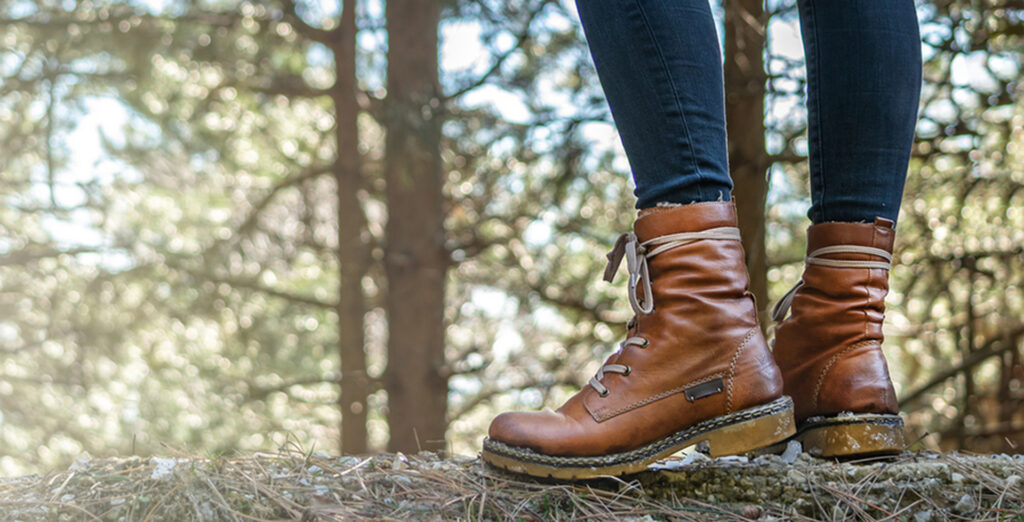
point(830, 347)
point(694, 368)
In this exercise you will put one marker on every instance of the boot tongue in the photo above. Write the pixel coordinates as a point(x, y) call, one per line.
point(695, 217)
point(879, 234)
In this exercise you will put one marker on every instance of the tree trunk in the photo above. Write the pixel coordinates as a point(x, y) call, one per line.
point(744, 112)
point(352, 250)
point(415, 256)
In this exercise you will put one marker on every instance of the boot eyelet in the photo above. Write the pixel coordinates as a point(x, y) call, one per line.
point(646, 343)
point(604, 393)
point(629, 370)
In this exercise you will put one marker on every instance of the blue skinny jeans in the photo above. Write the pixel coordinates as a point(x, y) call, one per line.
point(660, 65)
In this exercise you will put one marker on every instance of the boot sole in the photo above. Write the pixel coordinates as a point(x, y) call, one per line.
point(730, 434)
point(860, 435)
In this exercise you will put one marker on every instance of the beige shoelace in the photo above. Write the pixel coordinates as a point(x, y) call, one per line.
point(636, 254)
point(782, 307)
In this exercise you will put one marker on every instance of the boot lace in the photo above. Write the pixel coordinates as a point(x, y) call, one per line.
point(814, 258)
point(636, 254)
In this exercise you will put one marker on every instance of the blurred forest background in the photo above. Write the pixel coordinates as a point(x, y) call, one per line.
point(357, 226)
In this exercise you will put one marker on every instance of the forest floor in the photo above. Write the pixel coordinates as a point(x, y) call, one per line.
point(916, 487)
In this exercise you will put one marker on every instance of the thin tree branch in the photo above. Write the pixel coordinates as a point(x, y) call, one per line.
point(308, 174)
point(991, 349)
point(521, 38)
point(291, 12)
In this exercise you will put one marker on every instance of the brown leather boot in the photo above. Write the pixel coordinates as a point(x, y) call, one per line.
point(829, 348)
point(694, 367)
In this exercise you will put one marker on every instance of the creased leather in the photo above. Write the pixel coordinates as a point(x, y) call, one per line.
point(704, 325)
point(829, 348)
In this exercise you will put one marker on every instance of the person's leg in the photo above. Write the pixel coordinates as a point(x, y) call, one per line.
point(694, 367)
point(863, 88)
point(864, 76)
point(660, 65)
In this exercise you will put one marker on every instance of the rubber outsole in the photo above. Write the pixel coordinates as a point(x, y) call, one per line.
point(856, 435)
point(729, 434)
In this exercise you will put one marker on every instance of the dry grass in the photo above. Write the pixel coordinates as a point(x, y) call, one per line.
point(299, 486)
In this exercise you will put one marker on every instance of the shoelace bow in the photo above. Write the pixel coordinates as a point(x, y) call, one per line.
point(636, 254)
point(814, 258)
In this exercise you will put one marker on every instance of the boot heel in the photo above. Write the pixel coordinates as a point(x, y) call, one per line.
point(751, 434)
point(853, 436)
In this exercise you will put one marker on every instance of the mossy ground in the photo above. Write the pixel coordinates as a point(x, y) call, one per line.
point(296, 486)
